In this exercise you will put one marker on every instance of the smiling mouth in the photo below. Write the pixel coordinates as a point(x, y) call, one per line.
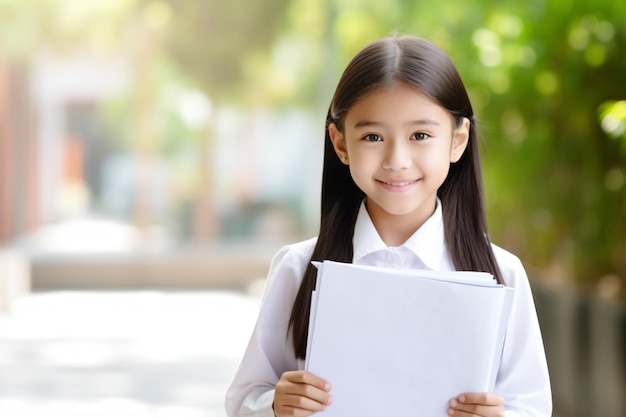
point(398, 184)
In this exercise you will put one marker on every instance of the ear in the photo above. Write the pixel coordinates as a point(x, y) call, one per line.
point(339, 142)
point(460, 139)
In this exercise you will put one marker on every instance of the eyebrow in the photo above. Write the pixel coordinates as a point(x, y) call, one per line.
point(420, 122)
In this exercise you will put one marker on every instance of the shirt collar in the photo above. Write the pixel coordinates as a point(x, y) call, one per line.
point(427, 243)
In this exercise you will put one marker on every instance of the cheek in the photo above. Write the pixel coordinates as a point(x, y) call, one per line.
point(436, 160)
point(362, 169)
point(359, 160)
point(357, 170)
point(436, 165)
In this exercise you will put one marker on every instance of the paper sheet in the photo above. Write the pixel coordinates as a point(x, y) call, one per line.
point(398, 343)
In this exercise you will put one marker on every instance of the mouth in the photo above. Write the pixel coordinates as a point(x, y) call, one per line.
point(402, 183)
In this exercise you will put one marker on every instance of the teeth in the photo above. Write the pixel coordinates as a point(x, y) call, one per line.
point(399, 184)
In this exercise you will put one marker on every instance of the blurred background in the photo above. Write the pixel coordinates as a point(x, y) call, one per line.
point(155, 154)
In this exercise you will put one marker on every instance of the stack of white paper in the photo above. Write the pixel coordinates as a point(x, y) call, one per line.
point(400, 343)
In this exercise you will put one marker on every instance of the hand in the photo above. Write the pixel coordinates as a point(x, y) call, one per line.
point(300, 394)
point(484, 404)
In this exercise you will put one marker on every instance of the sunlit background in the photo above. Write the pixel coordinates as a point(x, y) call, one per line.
point(155, 154)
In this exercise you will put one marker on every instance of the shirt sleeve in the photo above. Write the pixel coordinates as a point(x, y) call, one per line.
point(269, 352)
point(522, 378)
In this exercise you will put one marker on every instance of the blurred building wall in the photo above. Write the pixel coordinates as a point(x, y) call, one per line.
point(18, 153)
point(58, 86)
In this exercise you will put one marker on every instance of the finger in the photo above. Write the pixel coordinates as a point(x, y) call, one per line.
point(463, 410)
point(482, 398)
point(477, 404)
point(286, 411)
point(311, 392)
point(305, 384)
point(297, 406)
point(305, 403)
point(291, 385)
point(461, 413)
point(304, 377)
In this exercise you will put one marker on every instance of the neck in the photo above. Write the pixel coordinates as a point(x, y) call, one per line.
point(395, 229)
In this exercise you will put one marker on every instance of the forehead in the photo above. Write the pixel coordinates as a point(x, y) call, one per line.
point(398, 102)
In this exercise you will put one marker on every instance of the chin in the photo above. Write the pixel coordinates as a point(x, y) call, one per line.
point(400, 210)
point(409, 207)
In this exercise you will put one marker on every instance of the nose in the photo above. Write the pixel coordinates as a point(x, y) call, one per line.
point(397, 156)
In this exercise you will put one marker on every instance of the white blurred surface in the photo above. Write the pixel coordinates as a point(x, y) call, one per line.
point(123, 354)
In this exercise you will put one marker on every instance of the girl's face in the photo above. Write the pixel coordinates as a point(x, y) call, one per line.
point(399, 145)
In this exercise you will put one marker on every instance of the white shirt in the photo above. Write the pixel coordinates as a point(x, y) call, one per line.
point(522, 378)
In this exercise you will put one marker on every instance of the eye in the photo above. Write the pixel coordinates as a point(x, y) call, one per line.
point(420, 136)
point(372, 137)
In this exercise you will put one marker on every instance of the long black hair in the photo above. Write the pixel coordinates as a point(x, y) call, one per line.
point(426, 67)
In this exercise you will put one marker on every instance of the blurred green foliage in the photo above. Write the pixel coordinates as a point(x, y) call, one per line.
point(547, 78)
point(548, 81)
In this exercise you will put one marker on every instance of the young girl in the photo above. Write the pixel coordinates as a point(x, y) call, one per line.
point(401, 187)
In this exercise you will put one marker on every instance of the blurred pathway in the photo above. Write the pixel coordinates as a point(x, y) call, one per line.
point(123, 354)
